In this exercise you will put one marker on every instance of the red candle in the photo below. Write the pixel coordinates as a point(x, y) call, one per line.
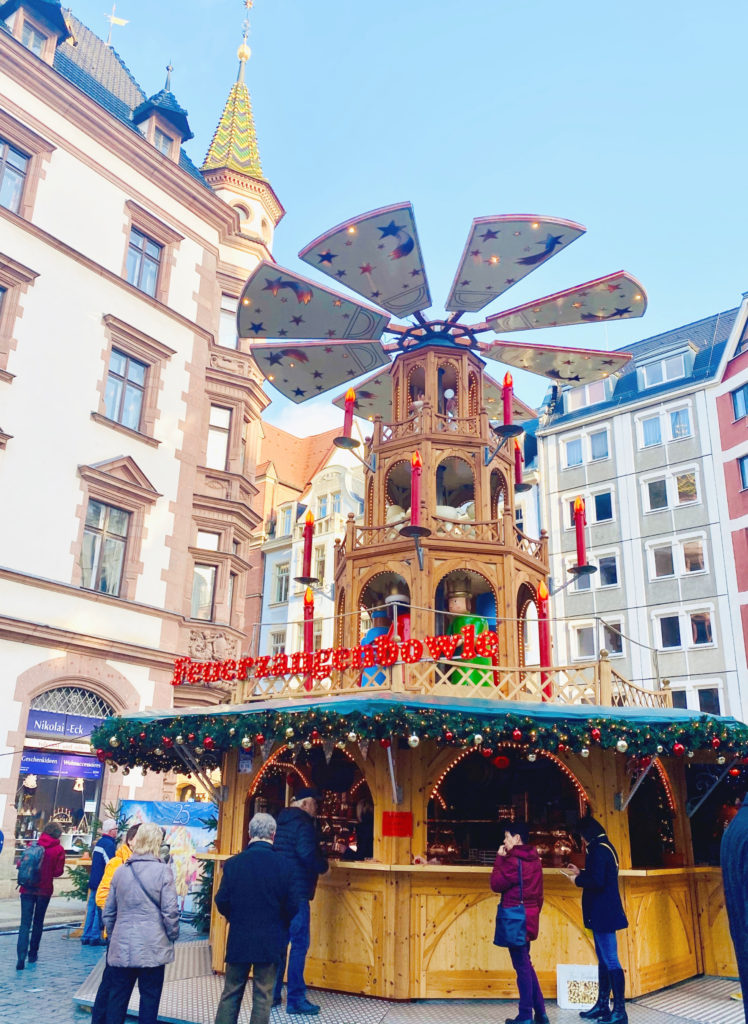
point(507, 395)
point(544, 640)
point(580, 521)
point(308, 629)
point(306, 562)
point(350, 401)
point(416, 464)
point(518, 460)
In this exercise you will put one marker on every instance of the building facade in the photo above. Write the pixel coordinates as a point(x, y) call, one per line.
point(641, 449)
point(129, 411)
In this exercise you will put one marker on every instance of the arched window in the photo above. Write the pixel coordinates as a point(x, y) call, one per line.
point(455, 489)
point(527, 622)
point(72, 700)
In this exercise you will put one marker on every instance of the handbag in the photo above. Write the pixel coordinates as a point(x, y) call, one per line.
point(511, 922)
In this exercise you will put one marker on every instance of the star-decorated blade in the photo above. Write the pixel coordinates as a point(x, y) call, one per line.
point(614, 297)
point(575, 366)
point(493, 397)
point(304, 371)
point(378, 256)
point(373, 397)
point(501, 251)
point(277, 303)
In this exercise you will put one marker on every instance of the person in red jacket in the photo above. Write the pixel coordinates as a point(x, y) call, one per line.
point(513, 852)
point(35, 899)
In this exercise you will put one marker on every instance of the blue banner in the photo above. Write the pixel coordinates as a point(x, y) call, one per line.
point(47, 724)
point(65, 766)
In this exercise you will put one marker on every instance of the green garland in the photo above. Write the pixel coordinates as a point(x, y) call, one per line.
point(151, 745)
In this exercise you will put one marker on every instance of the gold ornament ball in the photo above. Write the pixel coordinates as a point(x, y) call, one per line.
point(622, 746)
point(179, 738)
point(198, 750)
point(340, 744)
point(532, 757)
point(244, 52)
point(232, 731)
point(720, 759)
point(246, 742)
point(352, 737)
point(413, 740)
point(477, 739)
point(158, 751)
point(307, 744)
point(113, 741)
point(289, 732)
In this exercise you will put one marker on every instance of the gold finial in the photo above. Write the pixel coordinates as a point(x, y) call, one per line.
point(244, 52)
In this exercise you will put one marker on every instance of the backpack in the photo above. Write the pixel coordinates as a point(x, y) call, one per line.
point(30, 866)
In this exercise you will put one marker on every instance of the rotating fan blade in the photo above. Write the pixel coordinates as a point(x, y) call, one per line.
point(501, 251)
point(277, 303)
point(373, 397)
point(377, 255)
point(308, 370)
point(575, 366)
point(614, 297)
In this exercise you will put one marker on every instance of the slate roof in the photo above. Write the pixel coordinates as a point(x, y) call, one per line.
point(709, 336)
point(166, 102)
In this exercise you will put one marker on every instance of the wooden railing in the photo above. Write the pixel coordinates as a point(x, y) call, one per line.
point(493, 531)
point(468, 529)
point(426, 421)
point(593, 683)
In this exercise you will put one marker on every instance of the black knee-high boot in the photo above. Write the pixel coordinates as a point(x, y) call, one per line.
point(618, 981)
point(602, 1006)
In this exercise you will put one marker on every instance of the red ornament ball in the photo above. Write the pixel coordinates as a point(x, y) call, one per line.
point(716, 742)
point(449, 736)
point(487, 752)
point(678, 749)
point(167, 741)
point(645, 761)
point(595, 734)
point(260, 738)
point(501, 761)
point(734, 772)
point(208, 742)
point(190, 736)
point(142, 735)
point(100, 755)
point(132, 741)
point(516, 735)
point(561, 748)
point(385, 742)
point(315, 734)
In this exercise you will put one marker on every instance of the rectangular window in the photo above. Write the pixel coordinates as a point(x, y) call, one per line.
point(740, 402)
point(125, 388)
point(657, 494)
point(686, 486)
point(227, 336)
point(663, 561)
point(583, 582)
point(599, 445)
point(651, 431)
point(163, 142)
point(32, 39)
point(208, 540)
point(286, 521)
point(281, 582)
point(574, 452)
point(277, 643)
point(585, 641)
point(670, 631)
point(519, 518)
point(667, 369)
point(219, 430)
point(680, 424)
point(743, 467)
point(104, 540)
point(709, 700)
point(143, 261)
point(608, 569)
point(317, 635)
point(603, 507)
point(693, 556)
point(231, 594)
point(612, 639)
point(322, 506)
point(336, 503)
point(319, 563)
point(13, 168)
point(203, 592)
point(701, 628)
point(680, 698)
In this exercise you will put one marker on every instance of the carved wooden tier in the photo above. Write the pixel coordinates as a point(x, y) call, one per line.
point(440, 397)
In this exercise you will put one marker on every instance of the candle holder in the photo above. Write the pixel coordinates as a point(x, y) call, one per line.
point(522, 488)
point(414, 531)
point(582, 570)
point(349, 443)
point(308, 581)
point(505, 430)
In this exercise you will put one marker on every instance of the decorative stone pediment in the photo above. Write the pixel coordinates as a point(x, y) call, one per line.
point(122, 477)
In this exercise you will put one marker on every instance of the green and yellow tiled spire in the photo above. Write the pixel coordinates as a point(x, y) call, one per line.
point(234, 144)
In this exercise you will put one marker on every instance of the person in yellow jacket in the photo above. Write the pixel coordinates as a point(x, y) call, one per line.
point(123, 853)
point(99, 1009)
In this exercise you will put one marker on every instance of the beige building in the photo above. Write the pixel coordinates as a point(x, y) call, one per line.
point(129, 412)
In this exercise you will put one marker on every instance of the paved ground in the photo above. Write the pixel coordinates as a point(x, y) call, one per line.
point(43, 994)
point(59, 911)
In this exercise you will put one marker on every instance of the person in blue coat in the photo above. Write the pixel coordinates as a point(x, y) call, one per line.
point(296, 839)
point(603, 913)
point(733, 858)
point(100, 857)
point(258, 895)
point(380, 626)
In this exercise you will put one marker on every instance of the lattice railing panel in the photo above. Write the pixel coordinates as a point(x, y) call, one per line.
point(467, 529)
point(624, 693)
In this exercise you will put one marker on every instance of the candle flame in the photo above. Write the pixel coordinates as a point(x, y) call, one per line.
point(516, 444)
point(350, 395)
point(508, 380)
point(309, 517)
point(416, 460)
point(308, 596)
point(579, 504)
point(542, 591)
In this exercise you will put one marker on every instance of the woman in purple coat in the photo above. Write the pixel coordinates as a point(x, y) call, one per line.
point(516, 854)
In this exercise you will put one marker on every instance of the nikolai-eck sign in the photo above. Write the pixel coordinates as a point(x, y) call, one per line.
point(384, 651)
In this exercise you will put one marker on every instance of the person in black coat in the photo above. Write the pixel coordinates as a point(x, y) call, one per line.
point(297, 840)
point(733, 855)
point(258, 895)
point(603, 913)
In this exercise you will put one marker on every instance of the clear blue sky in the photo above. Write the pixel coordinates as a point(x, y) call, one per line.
point(628, 118)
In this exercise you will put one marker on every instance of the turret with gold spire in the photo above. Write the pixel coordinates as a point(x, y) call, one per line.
point(232, 164)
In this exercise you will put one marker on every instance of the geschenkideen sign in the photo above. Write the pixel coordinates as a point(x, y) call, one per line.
point(384, 651)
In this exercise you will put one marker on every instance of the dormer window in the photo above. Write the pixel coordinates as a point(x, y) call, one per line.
point(33, 39)
point(664, 370)
point(36, 24)
point(589, 394)
point(162, 141)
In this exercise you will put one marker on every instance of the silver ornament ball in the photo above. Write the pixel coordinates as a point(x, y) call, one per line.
point(352, 737)
point(532, 757)
point(585, 752)
point(413, 740)
point(477, 739)
point(246, 742)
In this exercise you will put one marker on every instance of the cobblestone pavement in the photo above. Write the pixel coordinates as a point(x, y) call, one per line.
point(43, 994)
